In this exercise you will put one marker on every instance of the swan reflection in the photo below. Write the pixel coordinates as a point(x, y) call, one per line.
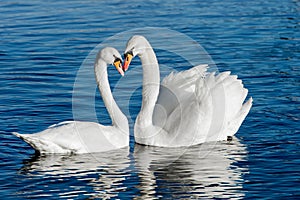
point(98, 175)
point(209, 170)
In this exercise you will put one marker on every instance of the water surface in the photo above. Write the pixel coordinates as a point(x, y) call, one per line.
point(43, 45)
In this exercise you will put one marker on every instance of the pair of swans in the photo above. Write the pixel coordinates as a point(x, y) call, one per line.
point(187, 108)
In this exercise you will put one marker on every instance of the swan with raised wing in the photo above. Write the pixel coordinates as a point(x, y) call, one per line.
point(187, 108)
point(86, 137)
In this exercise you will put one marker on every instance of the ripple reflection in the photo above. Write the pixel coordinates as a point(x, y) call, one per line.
point(209, 170)
point(98, 175)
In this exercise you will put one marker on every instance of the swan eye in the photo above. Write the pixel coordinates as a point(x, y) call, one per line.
point(117, 59)
point(117, 62)
point(128, 55)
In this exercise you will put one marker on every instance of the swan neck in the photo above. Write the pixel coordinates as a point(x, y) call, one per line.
point(118, 118)
point(151, 82)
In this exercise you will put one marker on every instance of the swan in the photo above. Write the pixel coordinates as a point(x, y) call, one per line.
point(85, 137)
point(187, 108)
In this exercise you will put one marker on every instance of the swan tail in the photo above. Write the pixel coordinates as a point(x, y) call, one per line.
point(22, 136)
point(40, 145)
point(33, 142)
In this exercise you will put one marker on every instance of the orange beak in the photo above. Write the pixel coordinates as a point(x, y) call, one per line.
point(128, 57)
point(117, 64)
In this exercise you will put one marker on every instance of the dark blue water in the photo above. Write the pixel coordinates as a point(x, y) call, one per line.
point(43, 48)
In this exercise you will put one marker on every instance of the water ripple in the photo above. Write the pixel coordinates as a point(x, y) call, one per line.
point(43, 45)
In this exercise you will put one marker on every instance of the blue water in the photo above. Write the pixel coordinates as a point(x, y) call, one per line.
point(42, 50)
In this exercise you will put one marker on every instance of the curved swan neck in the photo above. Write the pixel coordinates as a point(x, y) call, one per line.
point(151, 82)
point(116, 115)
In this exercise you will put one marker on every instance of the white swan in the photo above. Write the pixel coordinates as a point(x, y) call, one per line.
point(86, 137)
point(189, 107)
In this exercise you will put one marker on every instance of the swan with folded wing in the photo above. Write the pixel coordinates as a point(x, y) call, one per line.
point(86, 137)
point(188, 107)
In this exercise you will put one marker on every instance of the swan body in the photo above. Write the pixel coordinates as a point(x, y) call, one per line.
point(188, 107)
point(86, 137)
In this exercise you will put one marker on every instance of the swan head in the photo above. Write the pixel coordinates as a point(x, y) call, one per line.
point(136, 45)
point(112, 56)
